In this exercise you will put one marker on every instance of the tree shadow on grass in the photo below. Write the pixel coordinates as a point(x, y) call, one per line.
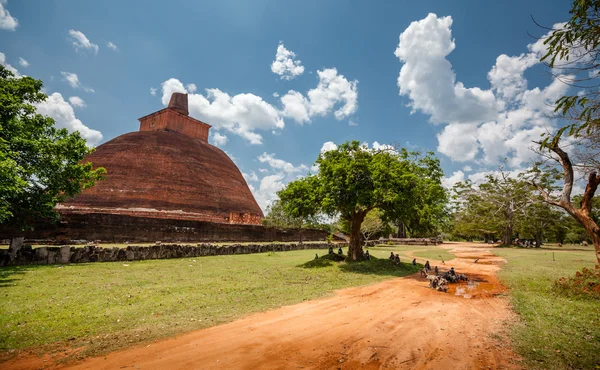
point(8, 275)
point(324, 261)
point(374, 266)
point(11, 275)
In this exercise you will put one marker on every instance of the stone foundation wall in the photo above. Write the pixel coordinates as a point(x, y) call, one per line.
point(125, 228)
point(68, 254)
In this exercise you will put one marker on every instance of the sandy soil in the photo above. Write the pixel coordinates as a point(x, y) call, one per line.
point(396, 324)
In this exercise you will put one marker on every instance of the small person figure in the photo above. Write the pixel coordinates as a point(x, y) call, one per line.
point(340, 251)
point(330, 250)
point(414, 262)
point(427, 265)
point(452, 272)
point(397, 259)
point(392, 257)
point(437, 272)
point(316, 256)
point(367, 256)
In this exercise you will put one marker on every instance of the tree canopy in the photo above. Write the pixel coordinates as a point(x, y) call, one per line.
point(40, 165)
point(352, 180)
point(572, 53)
point(502, 205)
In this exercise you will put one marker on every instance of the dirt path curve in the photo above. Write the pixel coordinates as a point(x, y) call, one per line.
point(396, 324)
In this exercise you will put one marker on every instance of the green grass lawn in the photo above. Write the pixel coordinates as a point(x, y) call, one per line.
point(105, 306)
point(555, 332)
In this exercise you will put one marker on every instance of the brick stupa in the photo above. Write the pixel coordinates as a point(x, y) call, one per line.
point(168, 170)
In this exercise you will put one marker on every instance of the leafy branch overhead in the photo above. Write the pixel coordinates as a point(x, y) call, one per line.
point(572, 51)
point(40, 165)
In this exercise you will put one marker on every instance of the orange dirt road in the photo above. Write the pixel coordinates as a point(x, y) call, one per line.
point(396, 324)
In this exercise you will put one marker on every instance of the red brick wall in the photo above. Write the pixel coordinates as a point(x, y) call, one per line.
point(168, 215)
point(169, 119)
point(121, 228)
point(244, 218)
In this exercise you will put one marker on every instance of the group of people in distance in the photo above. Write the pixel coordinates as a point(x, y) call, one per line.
point(527, 243)
point(339, 250)
point(394, 258)
point(365, 255)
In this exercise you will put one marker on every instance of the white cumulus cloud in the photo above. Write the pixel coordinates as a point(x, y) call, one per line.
point(77, 102)
point(280, 174)
point(241, 114)
point(284, 64)
point(24, 63)
point(191, 88)
point(73, 80)
point(279, 164)
point(81, 43)
point(449, 182)
point(333, 90)
point(7, 22)
point(427, 78)
point(219, 139)
point(267, 190)
point(482, 125)
point(252, 177)
point(153, 91)
point(64, 115)
point(8, 66)
point(327, 146)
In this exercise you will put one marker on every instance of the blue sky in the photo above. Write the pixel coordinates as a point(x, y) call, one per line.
point(455, 96)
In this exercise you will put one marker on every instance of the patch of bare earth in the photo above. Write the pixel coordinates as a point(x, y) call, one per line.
point(396, 324)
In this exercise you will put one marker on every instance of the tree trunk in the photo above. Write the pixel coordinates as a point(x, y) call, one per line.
point(355, 244)
point(596, 241)
point(15, 245)
point(593, 231)
point(401, 230)
point(507, 236)
point(538, 239)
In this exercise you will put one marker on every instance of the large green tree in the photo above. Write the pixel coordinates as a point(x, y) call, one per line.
point(539, 220)
point(494, 207)
point(40, 165)
point(429, 213)
point(353, 180)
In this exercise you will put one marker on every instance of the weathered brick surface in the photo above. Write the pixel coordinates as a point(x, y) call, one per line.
point(68, 254)
point(109, 227)
point(169, 119)
point(151, 172)
point(244, 218)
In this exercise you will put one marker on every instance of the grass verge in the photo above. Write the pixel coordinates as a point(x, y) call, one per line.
point(555, 331)
point(105, 306)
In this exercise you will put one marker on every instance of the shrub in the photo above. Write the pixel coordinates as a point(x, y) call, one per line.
point(585, 284)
